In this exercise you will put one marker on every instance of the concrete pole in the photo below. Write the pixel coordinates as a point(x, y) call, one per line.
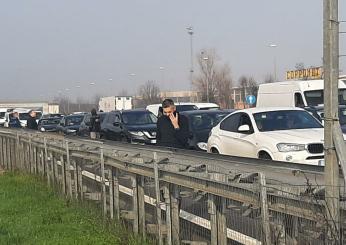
point(331, 74)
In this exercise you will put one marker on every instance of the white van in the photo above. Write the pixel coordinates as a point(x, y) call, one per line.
point(301, 93)
point(184, 106)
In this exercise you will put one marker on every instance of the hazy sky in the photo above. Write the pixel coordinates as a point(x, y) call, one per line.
point(47, 46)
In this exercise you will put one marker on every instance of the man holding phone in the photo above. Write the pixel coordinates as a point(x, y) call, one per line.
point(172, 128)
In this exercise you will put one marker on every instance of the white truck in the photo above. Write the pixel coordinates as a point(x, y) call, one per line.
point(299, 93)
point(111, 103)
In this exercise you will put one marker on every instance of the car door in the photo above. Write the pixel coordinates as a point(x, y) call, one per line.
point(246, 142)
point(229, 134)
point(113, 129)
point(237, 143)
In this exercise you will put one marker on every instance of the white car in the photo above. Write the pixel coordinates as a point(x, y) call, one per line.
point(282, 134)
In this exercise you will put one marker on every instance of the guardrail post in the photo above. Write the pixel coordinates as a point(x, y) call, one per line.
point(1, 152)
point(175, 214)
point(168, 213)
point(47, 163)
point(63, 177)
point(80, 180)
point(56, 173)
point(42, 162)
point(8, 147)
point(158, 196)
point(135, 204)
point(103, 184)
point(31, 156)
point(213, 219)
point(111, 192)
point(68, 170)
point(141, 204)
point(17, 151)
point(221, 221)
point(35, 160)
point(264, 210)
point(75, 179)
point(115, 176)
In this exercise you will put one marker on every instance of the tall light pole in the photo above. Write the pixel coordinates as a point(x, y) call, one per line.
point(162, 71)
point(206, 63)
point(274, 46)
point(190, 32)
point(78, 87)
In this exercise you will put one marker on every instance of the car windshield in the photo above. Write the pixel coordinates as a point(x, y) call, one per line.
point(23, 116)
point(342, 116)
point(285, 120)
point(38, 114)
point(315, 97)
point(205, 120)
point(50, 121)
point(139, 118)
point(75, 120)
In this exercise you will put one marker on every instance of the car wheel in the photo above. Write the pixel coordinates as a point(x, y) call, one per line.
point(264, 155)
point(215, 151)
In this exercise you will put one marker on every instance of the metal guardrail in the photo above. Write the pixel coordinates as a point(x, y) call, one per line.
point(179, 197)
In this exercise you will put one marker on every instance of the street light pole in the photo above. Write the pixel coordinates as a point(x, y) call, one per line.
point(274, 59)
point(206, 63)
point(190, 32)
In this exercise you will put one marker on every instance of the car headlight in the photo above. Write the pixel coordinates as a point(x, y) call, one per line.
point(284, 147)
point(71, 130)
point(43, 129)
point(137, 133)
point(203, 146)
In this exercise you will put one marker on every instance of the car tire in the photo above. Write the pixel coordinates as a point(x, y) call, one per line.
point(264, 156)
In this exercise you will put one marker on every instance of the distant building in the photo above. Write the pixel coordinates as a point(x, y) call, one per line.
point(112, 103)
point(181, 96)
point(45, 107)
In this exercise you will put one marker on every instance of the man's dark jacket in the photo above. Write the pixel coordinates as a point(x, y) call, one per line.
point(168, 136)
point(95, 123)
point(31, 123)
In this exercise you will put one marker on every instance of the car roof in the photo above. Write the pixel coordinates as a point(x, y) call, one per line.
point(267, 109)
point(132, 110)
point(206, 112)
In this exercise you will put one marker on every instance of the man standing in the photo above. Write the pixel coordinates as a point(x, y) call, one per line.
point(95, 125)
point(14, 120)
point(31, 122)
point(172, 128)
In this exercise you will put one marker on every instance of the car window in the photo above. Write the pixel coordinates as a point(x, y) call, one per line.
point(139, 118)
point(231, 123)
point(285, 120)
point(245, 120)
point(298, 100)
point(75, 120)
point(206, 120)
point(342, 116)
point(2, 114)
point(111, 118)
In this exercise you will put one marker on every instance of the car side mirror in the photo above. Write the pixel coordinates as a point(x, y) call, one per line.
point(244, 129)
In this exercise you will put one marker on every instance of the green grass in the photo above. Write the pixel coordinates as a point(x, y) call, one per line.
point(31, 213)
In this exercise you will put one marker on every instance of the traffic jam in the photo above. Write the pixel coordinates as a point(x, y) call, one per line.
point(283, 122)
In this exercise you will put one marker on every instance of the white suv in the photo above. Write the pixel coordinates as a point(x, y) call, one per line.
point(282, 134)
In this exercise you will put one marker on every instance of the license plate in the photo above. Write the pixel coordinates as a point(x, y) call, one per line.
point(153, 141)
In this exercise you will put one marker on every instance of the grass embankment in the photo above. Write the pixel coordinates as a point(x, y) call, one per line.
point(31, 213)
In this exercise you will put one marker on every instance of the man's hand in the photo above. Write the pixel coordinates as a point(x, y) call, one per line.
point(174, 120)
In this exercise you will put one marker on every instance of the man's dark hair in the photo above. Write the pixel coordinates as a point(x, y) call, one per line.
point(167, 103)
point(93, 112)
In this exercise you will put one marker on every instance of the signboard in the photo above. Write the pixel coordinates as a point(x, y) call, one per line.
point(250, 99)
point(305, 74)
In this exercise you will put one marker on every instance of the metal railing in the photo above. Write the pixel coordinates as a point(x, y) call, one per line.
point(175, 201)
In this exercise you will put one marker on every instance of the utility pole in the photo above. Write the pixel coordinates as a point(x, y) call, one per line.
point(190, 32)
point(331, 74)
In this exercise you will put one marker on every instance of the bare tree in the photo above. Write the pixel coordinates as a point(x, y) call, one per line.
point(269, 78)
point(150, 93)
point(223, 87)
point(205, 82)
